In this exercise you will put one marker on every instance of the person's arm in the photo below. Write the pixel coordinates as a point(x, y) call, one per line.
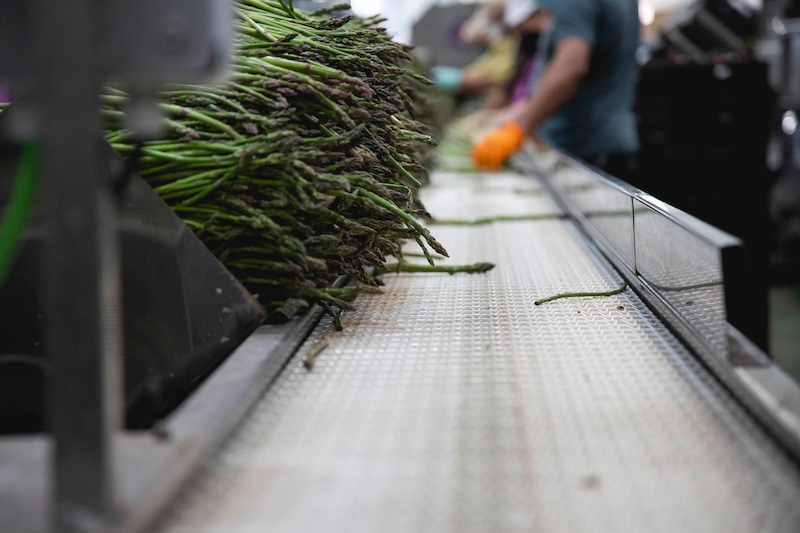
point(558, 83)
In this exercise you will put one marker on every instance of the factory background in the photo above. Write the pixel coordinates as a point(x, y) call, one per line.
point(282, 296)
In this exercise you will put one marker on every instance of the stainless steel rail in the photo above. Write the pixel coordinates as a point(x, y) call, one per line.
point(692, 275)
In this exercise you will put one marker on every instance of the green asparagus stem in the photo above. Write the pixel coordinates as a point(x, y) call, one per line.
point(492, 220)
point(304, 166)
point(618, 290)
point(403, 266)
point(316, 349)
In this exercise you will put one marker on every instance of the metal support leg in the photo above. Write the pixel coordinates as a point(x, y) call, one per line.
point(81, 287)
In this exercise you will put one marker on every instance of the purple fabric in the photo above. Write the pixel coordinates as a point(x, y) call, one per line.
point(5, 96)
point(522, 87)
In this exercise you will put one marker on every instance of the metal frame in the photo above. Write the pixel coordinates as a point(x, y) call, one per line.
point(105, 479)
point(82, 338)
point(149, 466)
point(62, 60)
point(765, 389)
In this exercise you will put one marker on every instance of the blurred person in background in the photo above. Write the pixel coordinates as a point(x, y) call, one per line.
point(489, 74)
point(522, 24)
point(583, 95)
point(527, 21)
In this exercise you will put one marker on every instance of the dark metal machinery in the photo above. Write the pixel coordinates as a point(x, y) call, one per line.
point(704, 108)
point(58, 55)
point(778, 47)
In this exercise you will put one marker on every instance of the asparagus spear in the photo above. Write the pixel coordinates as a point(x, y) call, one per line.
point(305, 165)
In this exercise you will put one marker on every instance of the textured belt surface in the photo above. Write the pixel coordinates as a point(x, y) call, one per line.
point(452, 403)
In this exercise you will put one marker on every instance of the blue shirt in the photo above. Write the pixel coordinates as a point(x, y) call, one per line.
point(599, 118)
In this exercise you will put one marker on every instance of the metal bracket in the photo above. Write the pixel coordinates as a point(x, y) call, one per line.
point(147, 43)
point(63, 53)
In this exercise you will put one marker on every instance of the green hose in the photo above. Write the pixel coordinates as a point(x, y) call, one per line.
point(19, 208)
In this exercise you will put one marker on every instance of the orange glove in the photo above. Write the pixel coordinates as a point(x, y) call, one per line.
point(495, 147)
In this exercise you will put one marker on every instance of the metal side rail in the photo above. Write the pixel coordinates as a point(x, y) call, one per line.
point(452, 403)
point(695, 277)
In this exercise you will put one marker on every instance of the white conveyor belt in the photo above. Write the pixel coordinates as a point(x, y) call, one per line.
point(452, 403)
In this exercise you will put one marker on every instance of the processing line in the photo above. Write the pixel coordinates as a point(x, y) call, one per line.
point(466, 402)
point(478, 402)
point(456, 403)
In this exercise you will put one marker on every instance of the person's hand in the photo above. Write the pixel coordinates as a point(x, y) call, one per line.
point(492, 150)
point(448, 78)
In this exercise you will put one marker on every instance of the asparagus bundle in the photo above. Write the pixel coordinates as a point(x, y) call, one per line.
point(303, 167)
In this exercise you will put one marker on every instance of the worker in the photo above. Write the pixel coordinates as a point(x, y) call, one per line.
point(528, 20)
point(582, 99)
point(528, 23)
point(491, 71)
